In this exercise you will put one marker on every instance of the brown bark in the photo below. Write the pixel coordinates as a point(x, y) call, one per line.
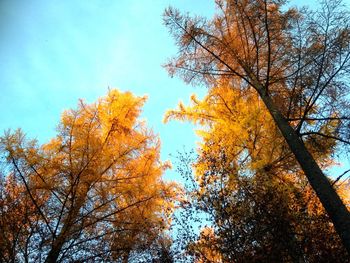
point(55, 251)
point(68, 227)
point(329, 198)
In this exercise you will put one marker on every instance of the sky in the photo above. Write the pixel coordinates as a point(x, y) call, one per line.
point(54, 52)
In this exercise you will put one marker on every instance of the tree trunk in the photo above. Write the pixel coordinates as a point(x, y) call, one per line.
point(67, 228)
point(55, 251)
point(329, 198)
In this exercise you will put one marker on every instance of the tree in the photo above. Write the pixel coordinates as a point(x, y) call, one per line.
point(297, 61)
point(258, 206)
point(263, 219)
point(93, 193)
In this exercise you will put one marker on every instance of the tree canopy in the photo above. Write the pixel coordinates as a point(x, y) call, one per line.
point(297, 61)
point(93, 193)
point(259, 207)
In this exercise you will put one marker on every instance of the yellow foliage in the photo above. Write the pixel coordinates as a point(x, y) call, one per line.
point(103, 166)
point(205, 248)
point(235, 121)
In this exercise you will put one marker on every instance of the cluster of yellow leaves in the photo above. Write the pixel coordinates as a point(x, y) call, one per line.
point(237, 122)
point(206, 253)
point(104, 164)
point(117, 154)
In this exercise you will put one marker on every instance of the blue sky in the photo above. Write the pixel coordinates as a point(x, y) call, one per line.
point(54, 52)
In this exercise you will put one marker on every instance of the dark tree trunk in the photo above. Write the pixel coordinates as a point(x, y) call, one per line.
point(329, 198)
point(67, 229)
point(55, 251)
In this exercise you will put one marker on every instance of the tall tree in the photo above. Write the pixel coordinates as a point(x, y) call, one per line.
point(258, 206)
point(93, 193)
point(298, 62)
